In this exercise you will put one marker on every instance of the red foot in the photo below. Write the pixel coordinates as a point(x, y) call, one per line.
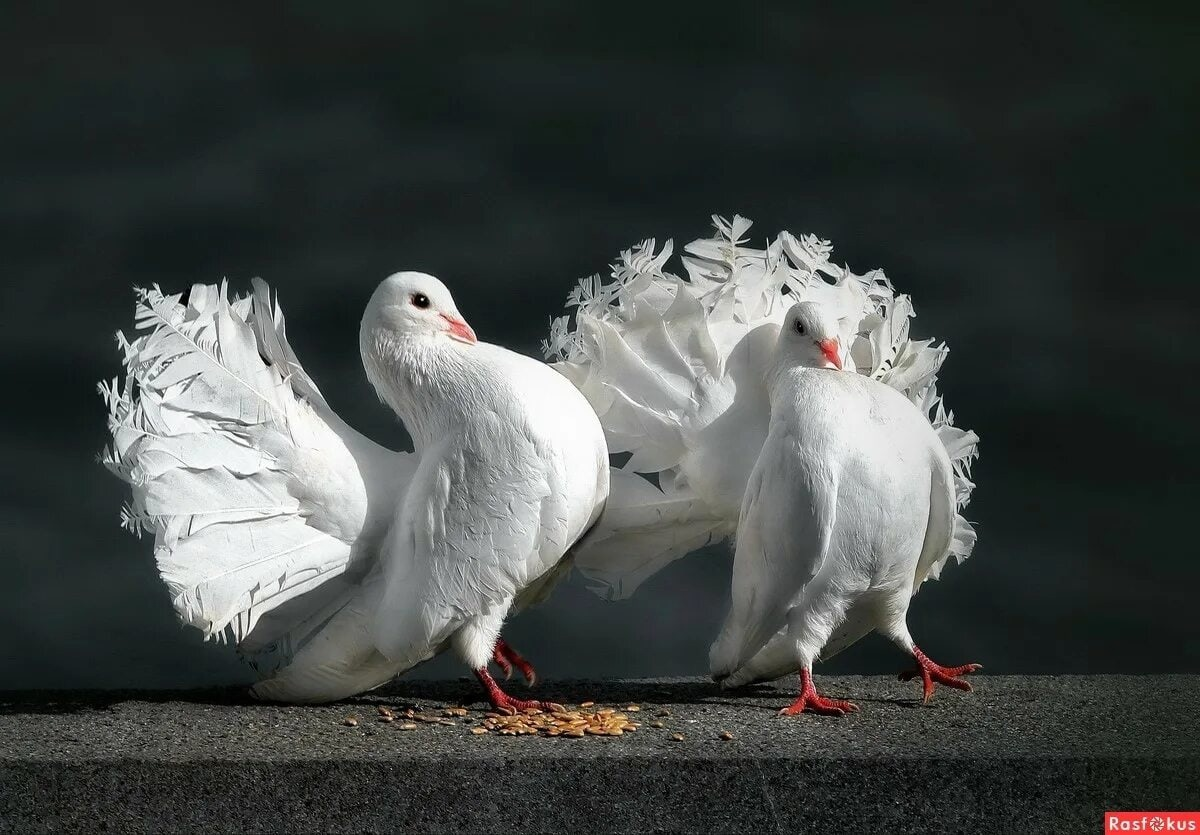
point(931, 672)
point(505, 657)
point(500, 661)
point(809, 700)
point(505, 703)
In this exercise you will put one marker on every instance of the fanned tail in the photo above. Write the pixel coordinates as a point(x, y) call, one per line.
point(641, 531)
point(673, 366)
point(257, 494)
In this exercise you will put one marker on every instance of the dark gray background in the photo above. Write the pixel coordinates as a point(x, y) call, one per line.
point(1027, 173)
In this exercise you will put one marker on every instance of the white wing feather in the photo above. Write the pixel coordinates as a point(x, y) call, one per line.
point(784, 535)
point(478, 544)
point(494, 505)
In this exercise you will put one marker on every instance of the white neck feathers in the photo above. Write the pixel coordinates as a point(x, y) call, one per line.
point(431, 383)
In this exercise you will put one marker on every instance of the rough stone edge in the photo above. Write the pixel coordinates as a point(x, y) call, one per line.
point(636, 794)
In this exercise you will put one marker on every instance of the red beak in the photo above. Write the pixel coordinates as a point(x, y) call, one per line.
point(460, 330)
point(829, 348)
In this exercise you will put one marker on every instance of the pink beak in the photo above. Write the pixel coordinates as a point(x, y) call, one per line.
point(460, 330)
point(829, 348)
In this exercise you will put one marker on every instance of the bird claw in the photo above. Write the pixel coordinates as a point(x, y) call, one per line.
point(500, 661)
point(509, 706)
point(506, 658)
point(506, 704)
point(813, 702)
point(819, 705)
point(931, 672)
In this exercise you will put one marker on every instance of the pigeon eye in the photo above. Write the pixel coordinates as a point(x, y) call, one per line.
point(420, 300)
point(800, 327)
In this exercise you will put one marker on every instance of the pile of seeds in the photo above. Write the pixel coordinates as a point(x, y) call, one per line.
point(586, 720)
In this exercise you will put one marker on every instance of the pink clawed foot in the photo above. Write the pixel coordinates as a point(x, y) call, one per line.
point(504, 703)
point(931, 672)
point(811, 701)
point(505, 657)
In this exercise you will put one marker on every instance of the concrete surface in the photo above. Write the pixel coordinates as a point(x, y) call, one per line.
point(1034, 754)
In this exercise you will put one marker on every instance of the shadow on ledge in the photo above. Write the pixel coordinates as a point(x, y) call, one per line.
point(464, 691)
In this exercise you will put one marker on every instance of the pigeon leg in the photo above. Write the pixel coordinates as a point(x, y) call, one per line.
point(505, 703)
point(931, 672)
point(811, 701)
point(506, 658)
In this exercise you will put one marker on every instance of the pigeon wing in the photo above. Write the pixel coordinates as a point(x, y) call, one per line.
point(784, 536)
point(477, 527)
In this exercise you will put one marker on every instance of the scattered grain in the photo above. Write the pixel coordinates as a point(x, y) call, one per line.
point(549, 720)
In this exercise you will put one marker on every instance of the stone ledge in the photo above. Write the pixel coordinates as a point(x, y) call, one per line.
point(1020, 753)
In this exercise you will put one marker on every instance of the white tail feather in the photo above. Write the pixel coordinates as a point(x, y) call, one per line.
point(641, 519)
point(674, 368)
point(256, 493)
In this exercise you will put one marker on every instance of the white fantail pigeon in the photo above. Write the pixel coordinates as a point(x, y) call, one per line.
point(513, 472)
point(674, 366)
point(849, 505)
point(335, 564)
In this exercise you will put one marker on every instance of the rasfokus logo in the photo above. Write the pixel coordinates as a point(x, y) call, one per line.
point(1152, 821)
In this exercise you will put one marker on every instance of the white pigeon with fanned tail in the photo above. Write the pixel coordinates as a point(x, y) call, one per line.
point(674, 366)
point(281, 529)
point(850, 503)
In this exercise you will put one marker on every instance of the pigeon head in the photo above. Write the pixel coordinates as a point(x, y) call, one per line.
point(412, 304)
point(809, 337)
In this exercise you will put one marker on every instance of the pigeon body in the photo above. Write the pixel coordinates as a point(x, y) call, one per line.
point(335, 564)
point(849, 505)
